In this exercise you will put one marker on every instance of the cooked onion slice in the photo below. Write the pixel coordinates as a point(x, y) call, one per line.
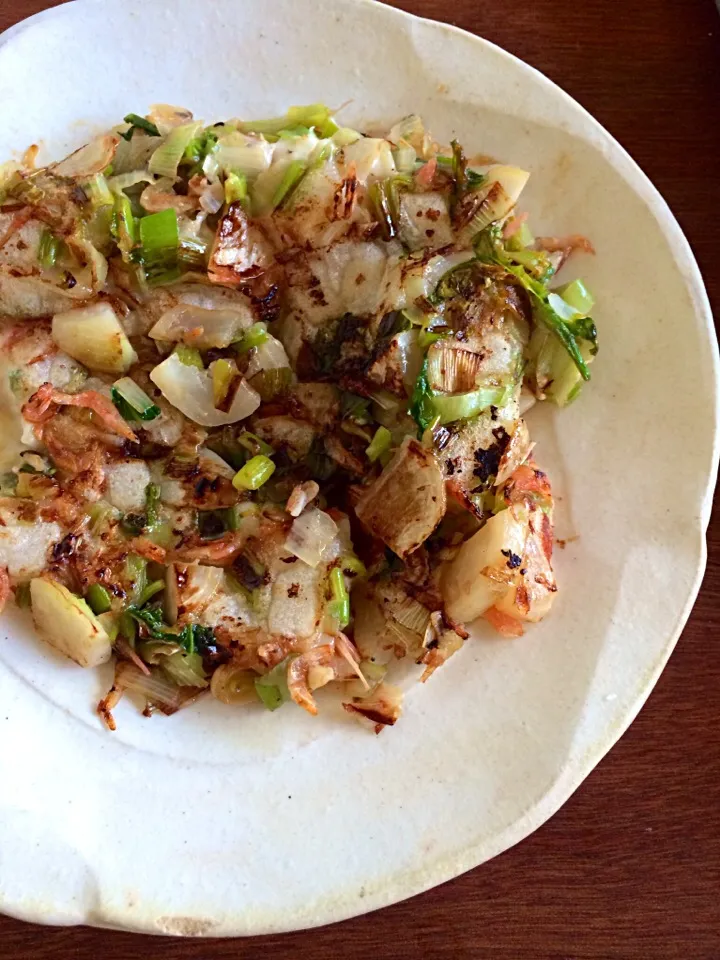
point(310, 536)
point(202, 328)
point(191, 391)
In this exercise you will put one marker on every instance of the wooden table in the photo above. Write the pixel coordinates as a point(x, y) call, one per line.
point(629, 869)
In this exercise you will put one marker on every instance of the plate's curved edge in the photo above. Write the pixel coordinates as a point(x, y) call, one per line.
point(50, 13)
point(572, 775)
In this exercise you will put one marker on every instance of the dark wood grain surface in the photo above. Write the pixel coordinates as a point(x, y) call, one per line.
point(629, 869)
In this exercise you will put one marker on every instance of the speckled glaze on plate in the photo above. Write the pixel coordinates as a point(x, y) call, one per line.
point(221, 822)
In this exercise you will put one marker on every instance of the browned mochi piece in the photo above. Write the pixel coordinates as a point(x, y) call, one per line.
point(407, 501)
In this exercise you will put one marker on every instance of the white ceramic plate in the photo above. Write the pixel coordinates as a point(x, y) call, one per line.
point(215, 822)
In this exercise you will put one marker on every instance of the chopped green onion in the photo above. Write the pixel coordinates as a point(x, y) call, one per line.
point(162, 534)
point(577, 295)
point(294, 173)
point(272, 383)
point(100, 514)
point(132, 402)
point(254, 336)
point(236, 190)
point(352, 566)
point(152, 502)
point(50, 249)
point(521, 239)
point(254, 445)
point(344, 136)
point(254, 474)
point(150, 591)
point(270, 695)
point(421, 407)
point(290, 133)
point(239, 155)
point(139, 123)
point(339, 608)
point(536, 262)
point(225, 375)
point(272, 688)
point(8, 483)
point(184, 669)
point(463, 406)
point(199, 149)
point(489, 248)
point(193, 253)
point(136, 573)
point(22, 595)
point(124, 226)
point(405, 157)
point(427, 337)
point(190, 356)
point(110, 625)
point(99, 192)
point(315, 115)
point(232, 518)
point(98, 599)
point(160, 243)
point(355, 407)
point(126, 627)
point(380, 443)
point(166, 159)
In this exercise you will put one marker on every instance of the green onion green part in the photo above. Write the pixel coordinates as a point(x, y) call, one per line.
point(190, 356)
point(159, 246)
point(254, 474)
point(380, 444)
point(236, 189)
point(339, 608)
point(139, 123)
point(132, 402)
point(50, 248)
point(166, 159)
point(98, 599)
point(254, 336)
point(291, 178)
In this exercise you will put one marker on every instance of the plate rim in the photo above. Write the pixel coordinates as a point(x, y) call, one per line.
point(405, 884)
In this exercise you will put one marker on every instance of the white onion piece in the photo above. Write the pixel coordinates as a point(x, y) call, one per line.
point(201, 585)
point(212, 198)
point(371, 157)
point(511, 179)
point(125, 180)
point(242, 154)
point(297, 148)
point(439, 266)
point(202, 328)
point(166, 117)
point(93, 158)
point(270, 355)
point(190, 390)
point(310, 536)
